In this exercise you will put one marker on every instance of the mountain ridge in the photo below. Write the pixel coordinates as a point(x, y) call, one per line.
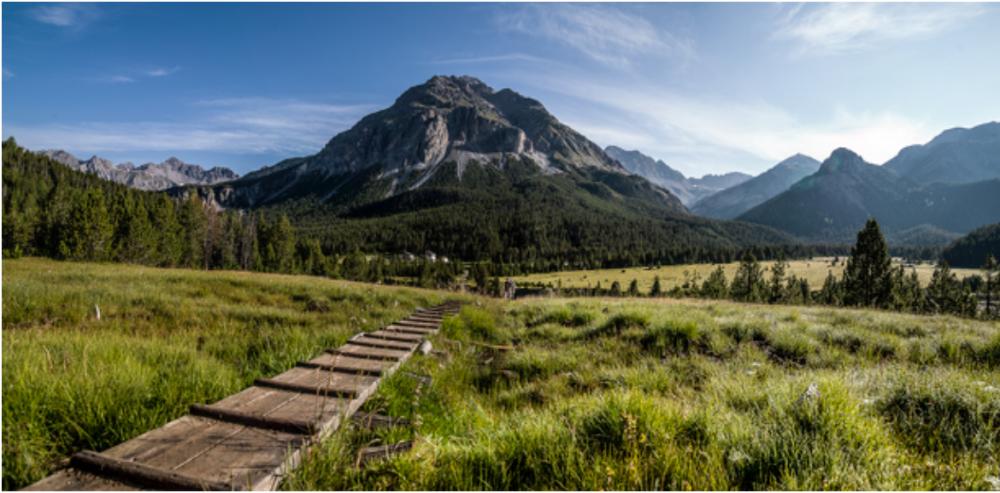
point(733, 201)
point(832, 204)
point(171, 172)
point(688, 190)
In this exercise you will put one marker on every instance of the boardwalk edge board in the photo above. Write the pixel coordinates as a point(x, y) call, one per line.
point(90, 470)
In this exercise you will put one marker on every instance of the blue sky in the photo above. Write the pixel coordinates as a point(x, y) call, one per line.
point(705, 87)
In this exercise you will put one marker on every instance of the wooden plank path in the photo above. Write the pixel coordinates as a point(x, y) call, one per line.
point(249, 440)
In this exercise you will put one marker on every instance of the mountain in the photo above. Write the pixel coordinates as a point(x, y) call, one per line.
point(958, 155)
point(458, 168)
point(833, 203)
point(971, 250)
point(150, 176)
point(713, 183)
point(688, 190)
point(655, 171)
point(733, 201)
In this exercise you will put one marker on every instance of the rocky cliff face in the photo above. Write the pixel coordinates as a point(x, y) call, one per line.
point(150, 176)
point(446, 120)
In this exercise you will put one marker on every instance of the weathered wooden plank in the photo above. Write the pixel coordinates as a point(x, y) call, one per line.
point(416, 323)
point(141, 474)
point(369, 353)
point(368, 454)
point(382, 343)
point(254, 420)
point(306, 389)
point(75, 480)
point(395, 336)
point(410, 330)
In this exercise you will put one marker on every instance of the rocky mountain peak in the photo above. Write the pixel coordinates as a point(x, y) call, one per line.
point(842, 160)
point(150, 176)
point(454, 119)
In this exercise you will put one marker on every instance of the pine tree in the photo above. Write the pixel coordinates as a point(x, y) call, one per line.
point(990, 288)
point(191, 217)
point(715, 285)
point(945, 293)
point(776, 288)
point(830, 293)
point(616, 289)
point(87, 234)
point(748, 283)
point(657, 289)
point(867, 277)
point(633, 288)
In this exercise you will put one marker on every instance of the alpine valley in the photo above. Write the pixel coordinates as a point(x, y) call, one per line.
point(460, 169)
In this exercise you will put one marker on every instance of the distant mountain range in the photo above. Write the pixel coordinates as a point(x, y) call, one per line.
point(832, 204)
point(688, 190)
point(733, 201)
point(150, 176)
point(459, 168)
point(959, 155)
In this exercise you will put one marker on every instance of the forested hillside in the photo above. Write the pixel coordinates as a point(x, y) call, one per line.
point(972, 249)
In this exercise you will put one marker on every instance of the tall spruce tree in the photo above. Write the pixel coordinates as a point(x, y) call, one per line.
point(830, 293)
point(748, 282)
point(715, 284)
point(867, 277)
point(657, 289)
point(990, 288)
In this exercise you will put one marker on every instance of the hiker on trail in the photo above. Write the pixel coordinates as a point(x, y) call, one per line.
point(509, 287)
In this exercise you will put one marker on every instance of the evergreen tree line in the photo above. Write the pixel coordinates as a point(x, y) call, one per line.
point(53, 211)
point(869, 281)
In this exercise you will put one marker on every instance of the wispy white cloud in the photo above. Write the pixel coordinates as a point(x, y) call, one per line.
point(130, 76)
point(241, 125)
point(824, 29)
point(507, 57)
point(603, 33)
point(71, 15)
point(160, 71)
point(701, 135)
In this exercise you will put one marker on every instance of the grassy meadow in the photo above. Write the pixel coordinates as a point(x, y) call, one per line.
point(166, 338)
point(814, 270)
point(667, 394)
point(536, 394)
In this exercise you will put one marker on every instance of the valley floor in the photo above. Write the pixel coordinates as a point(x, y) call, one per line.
point(814, 270)
point(536, 394)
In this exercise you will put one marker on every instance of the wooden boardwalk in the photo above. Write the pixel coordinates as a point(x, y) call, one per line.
point(249, 440)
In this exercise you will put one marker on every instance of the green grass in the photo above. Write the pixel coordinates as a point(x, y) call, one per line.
point(541, 394)
point(663, 394)
point(814, 270)
point(166, 339)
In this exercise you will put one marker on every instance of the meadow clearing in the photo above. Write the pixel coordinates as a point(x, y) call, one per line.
point(166, 338)
point(814, 270)
point(595, 393)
